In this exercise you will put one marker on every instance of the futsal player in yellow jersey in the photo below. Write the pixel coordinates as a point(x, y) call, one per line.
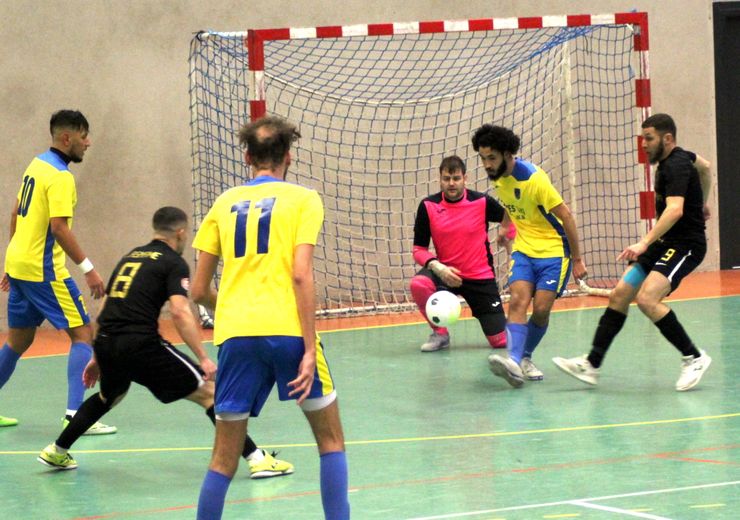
point(265, 232)
point(36, 277)
point(545, 249)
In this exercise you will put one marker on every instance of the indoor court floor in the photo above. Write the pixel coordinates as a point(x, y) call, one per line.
point(429, 436)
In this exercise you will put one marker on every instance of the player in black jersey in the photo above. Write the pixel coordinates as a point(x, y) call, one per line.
point(128, 346)
point(673, 248)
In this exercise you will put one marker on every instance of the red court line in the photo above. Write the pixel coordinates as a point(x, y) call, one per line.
point(436, 480)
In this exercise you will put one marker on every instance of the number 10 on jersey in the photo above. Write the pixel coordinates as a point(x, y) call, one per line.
point(263, 227)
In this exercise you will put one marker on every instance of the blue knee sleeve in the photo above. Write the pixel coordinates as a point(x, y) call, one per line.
point(635, 276)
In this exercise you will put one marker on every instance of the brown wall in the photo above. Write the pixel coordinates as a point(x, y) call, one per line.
point(125, 65)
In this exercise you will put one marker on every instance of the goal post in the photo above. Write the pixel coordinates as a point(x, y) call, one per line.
point(380, 105)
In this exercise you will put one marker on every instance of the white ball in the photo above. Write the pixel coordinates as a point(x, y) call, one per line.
point(443, 308)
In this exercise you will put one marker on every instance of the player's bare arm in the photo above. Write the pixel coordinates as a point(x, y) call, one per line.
point(187, 327)
point(671, 214)
point(200, 289)
point(67, 241)
point(305, 295)
point(4, 282)
point(562, 211)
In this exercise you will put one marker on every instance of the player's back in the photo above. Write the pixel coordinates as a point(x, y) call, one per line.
point(47, 190)
point(141, 283)
point(255, 228)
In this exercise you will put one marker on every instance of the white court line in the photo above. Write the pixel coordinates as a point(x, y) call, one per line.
point(618, 511)
point(565, 502)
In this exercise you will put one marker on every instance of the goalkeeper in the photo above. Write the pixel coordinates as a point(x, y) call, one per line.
point(456, 220)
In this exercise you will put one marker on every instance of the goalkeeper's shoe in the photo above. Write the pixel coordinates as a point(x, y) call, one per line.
point(96, 429)
point(7, 421)
point(692, 370)
point(436, 342)
point(269, 466)
point(52, 458)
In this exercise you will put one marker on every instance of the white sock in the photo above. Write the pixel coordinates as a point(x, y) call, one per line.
point(256, 456)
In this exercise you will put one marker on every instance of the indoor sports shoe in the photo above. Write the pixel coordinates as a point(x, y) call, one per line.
point(692, 369)
point(578, 367)
point(96, 429)
point(52, 458)
point(506, 368)
point(7, 421)
point(530, 370)
point(436, 342)
point(269, 466)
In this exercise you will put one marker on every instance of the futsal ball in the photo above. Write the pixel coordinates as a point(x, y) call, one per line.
point(443, 308)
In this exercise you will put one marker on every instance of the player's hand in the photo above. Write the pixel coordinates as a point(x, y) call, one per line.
point(631, 252)
point(302, 384)
point(579, 269)
point(96, 284)
point(5, 283)
point(209, 369)
point(707, 212)
point(91, 374)
point(450, 276)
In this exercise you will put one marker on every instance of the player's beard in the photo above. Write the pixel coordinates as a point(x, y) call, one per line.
point(657, 154)
point(496, 174)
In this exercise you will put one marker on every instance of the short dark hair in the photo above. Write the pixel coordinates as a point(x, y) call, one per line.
point(169, 218)
point(69, 119)
point(497, 138)
point(268, 148)
point(663, 123)
point(452, 164)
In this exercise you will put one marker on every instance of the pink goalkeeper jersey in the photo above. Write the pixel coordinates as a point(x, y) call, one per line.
point(459, 231)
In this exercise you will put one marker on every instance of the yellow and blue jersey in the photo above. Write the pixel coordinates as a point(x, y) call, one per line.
point(255, 229)
point(47, 191)
point(529, 197)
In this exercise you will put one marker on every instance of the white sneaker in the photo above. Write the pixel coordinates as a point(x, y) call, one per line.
point(506, 368)
point(578, 367)
point(692, 370)
point(436, 342)
point(530, 370)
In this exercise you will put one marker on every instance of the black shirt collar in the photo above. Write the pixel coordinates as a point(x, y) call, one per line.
point(63, 156)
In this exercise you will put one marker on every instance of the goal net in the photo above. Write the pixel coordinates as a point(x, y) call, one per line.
point(379, 106)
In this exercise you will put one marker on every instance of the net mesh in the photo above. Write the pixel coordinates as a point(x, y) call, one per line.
point(378, 114)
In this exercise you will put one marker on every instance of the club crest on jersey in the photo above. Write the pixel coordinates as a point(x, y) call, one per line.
point(517, 193)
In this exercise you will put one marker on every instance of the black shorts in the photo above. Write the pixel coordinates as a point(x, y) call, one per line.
point(149, 361)
point(674, 261)
point(482, 297)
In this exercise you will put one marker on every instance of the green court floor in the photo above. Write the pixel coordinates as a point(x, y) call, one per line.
point(429, 436)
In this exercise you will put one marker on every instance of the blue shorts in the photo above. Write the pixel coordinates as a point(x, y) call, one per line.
point(547, 274)
point(60, 302)
point(248, 368)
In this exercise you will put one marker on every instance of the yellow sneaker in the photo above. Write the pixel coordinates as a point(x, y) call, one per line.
point(49, 456)
point(269, 466)
point(7, 421)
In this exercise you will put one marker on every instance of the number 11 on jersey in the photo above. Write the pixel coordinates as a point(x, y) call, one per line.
point(263, 226)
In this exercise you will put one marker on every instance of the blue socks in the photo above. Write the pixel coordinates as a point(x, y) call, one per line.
point(8, 360)
point(334, 484)
point(79, 355)
point(213, 495)
point(534, 336)
point(517, 337)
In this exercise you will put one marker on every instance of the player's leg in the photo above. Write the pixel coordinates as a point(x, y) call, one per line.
point(327, 430)
point(23, 318)
point(485, 303)
point(586, 367)
point(423, 285)
point(662, 280)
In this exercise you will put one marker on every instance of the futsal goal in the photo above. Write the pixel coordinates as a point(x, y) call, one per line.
point(380, 105)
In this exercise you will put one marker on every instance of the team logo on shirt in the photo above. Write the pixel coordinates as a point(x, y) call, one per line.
point(185, 282)
point(517, 193)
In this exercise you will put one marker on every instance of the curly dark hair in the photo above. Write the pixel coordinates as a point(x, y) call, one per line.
point(496, 138)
